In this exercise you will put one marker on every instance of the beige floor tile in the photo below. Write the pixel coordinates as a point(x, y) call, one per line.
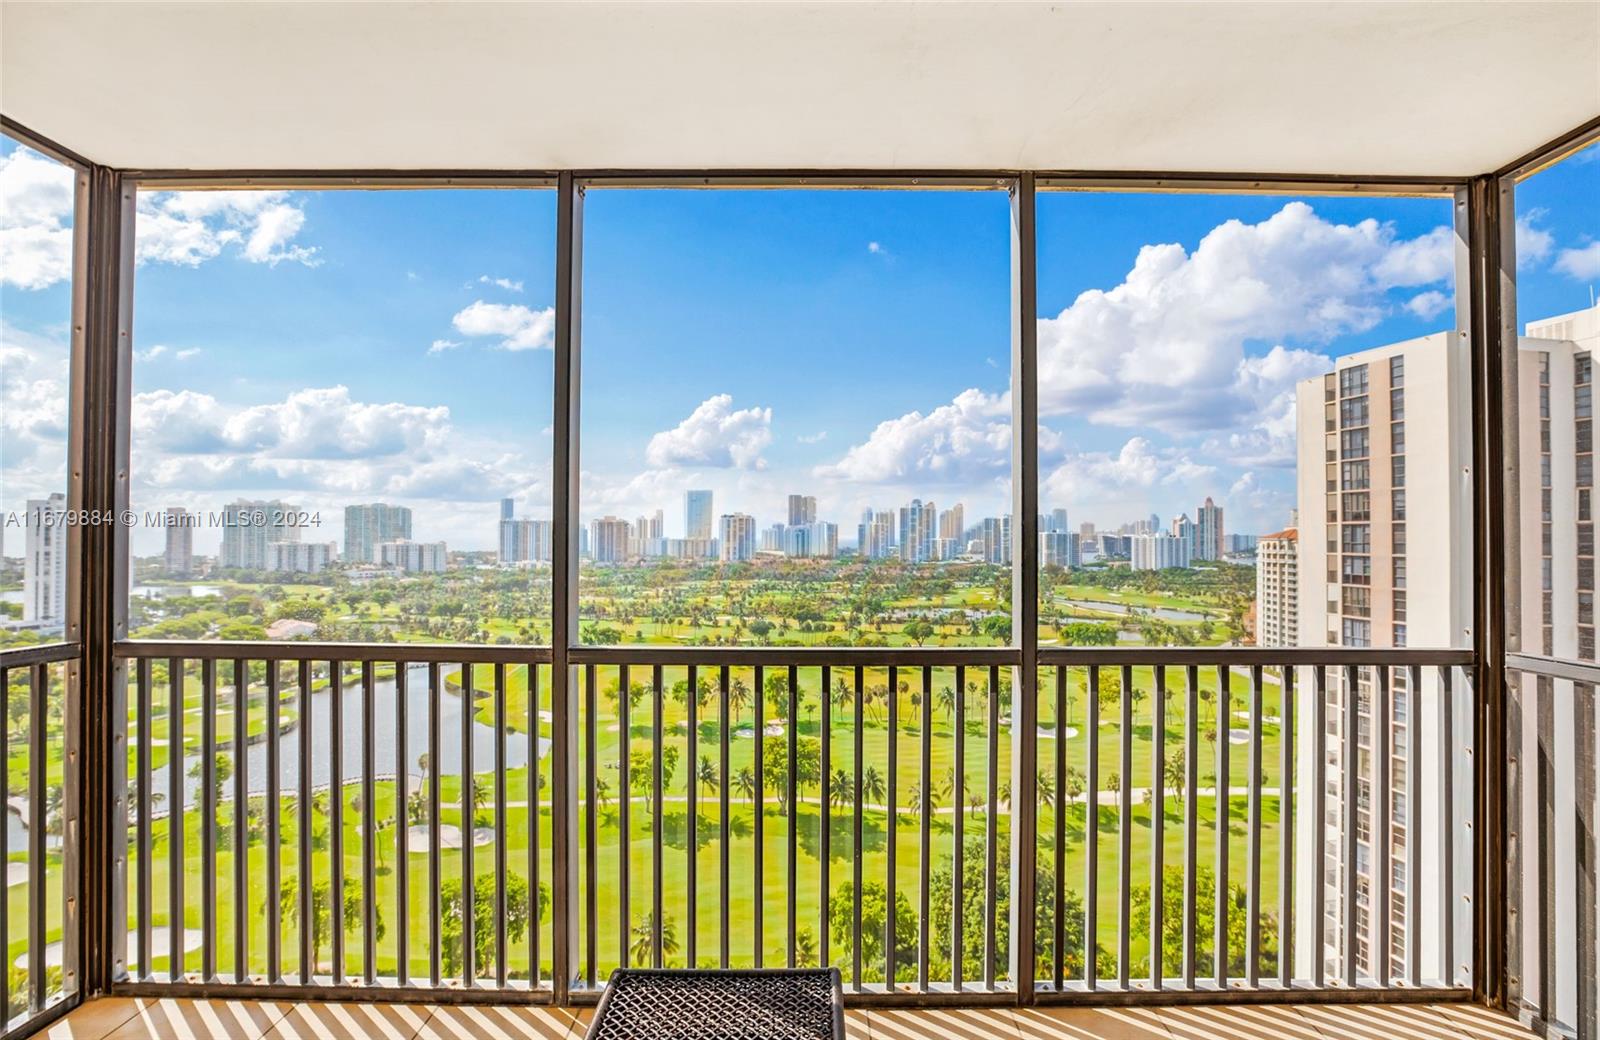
point(498, 1023)
point(857, 1024)
point(341, 1021)
point(935, 1024)
point(201, 1020)
point(1481, 1023)
point(96, 1018)
point(1379, 1022)
point(1089, 1024)
point(1264, 1022)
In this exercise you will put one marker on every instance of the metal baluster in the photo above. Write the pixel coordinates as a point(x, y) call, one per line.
point(1382, 879)
point(175, 849)
point(304, 880)
point(1447, 774)
point(793, 872)
point(1414, 821)
point(591, 826)
point(1286, 839)
point(958, 795)
point(500, 823)
point(469, 780)
point(1158, 790)
point(37, 724)
point(1252, 932)
point(369, 828)
point(336, 808)
point(824, 817)
point(855, 839)
point(402, 821)
point(435, 854)
point(924, 896)
point(534, 775)
point(991, 839)
point(692, 811)
point(724, 736)
point(146, 866)
point(1125, 830)
point(1091, 837)
point(208, 819)
point(1061, 830)
point(1191, 821)
point(270, 815)
point(759, 902)
point(624, 814)
point(1319, 814)
point(894, 735)
point(241, 807)
point(655, 829)
point(1351, 753)
point(1224, 797)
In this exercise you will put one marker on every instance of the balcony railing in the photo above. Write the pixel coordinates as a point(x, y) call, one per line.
point(772, 807)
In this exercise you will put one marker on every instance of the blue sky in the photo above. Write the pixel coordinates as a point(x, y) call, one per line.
point(848, 344)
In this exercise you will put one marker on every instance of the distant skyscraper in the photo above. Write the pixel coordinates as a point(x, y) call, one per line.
point(508, 508)
point(1058, 549)
point(179, 525)
point(300, 557)
point(1185, 531)
point(525, 541)
point(802, 510)
point(738, 537)
point(918, 531)
point(367, 526)
point(697, 515)
point(44, 568)
point(1058, 521)
point(996, 538)
point(608, 539)
point(414, 557)
point(1208, 540)
point(248, 527)
point(1277, 589)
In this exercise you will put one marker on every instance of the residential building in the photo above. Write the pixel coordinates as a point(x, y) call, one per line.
point(525, 541)
point(300, 557)
point(44, 563)
point(802, 510)
point(1209, 542)
point(608, 539)
point(1057, 523)
point(178, 525)
point(1362, 487)
point(1277, 589)
point(368, 526)
point(1058, 548)
point(697, 515)
point(876, 535)
point(249, 527)
point(1155, 551)
point(996, 539)
point(414, 557)
point(919, 531)
point(738, 537)
point(1186, 531)
point(952, 526)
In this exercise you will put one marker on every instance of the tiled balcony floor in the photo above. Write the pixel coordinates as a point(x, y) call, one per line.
point(148, 1019)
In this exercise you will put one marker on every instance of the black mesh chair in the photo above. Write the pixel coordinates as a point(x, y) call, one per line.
point(769, 1004)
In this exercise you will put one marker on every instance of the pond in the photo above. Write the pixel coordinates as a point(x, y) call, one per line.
point(1164, 613)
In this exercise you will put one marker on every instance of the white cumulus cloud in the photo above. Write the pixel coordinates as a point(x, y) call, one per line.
point(715, 434)
point(505, 283)
point(1429, 304)
point(191, 227)
point(36, 197)
point(1581, 262)
point(966, 439)
point(519, 327)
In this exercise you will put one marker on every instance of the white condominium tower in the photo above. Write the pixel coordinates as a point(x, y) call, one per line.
point(44, 567)
point(1278, 589)
point(738, 537)
point(802, 510)
point(368, 526)
point(178, 525)
point(248, 527)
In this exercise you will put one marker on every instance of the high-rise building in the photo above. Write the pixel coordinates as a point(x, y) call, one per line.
point(525, 541)
point(1058, 549)
point(414, 557)
point(1187, 532)
point(367, 526)
point(1156, 552)
point(1209, 543)
point(919, 531)
point(697, 515)
point(953, 525)
point(802, 510)
point(248, 527)
point(1058, 522)
point(1363, 486)
point(996, 537)
point(876, 535)
point(608, 539)
point(738, 537)
point(178, 525)
point(1277, 589)
point(44, 567)
point(300, 557)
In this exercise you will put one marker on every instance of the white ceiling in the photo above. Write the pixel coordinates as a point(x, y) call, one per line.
point(1424, 88)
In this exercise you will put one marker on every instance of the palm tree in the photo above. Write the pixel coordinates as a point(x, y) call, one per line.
point(708, 779)
point(841, 793)
point(1047, 789)
point(946, 702)
point(643, 944)
point(872, 786)
point(738, 698)
point(745, 783)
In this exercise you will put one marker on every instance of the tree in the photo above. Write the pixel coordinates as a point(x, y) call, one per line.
point(1172, 945)
point(642, 947)
point(321, 903)
point(222, 772)
point(998, 627)
point(872, 786)
point(775, 767)
point(918, 631)
point(641, 765)
point(874, 926)
point(707, 776)
point(484, 922)
point(745, 783)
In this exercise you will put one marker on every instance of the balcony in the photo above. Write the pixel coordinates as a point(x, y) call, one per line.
point(1010, 776)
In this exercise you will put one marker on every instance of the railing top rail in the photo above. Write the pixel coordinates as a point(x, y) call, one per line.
point(45, 653)
point(804, 656)
point(1555, 667)
point(1245, 655)
point(290, 650)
